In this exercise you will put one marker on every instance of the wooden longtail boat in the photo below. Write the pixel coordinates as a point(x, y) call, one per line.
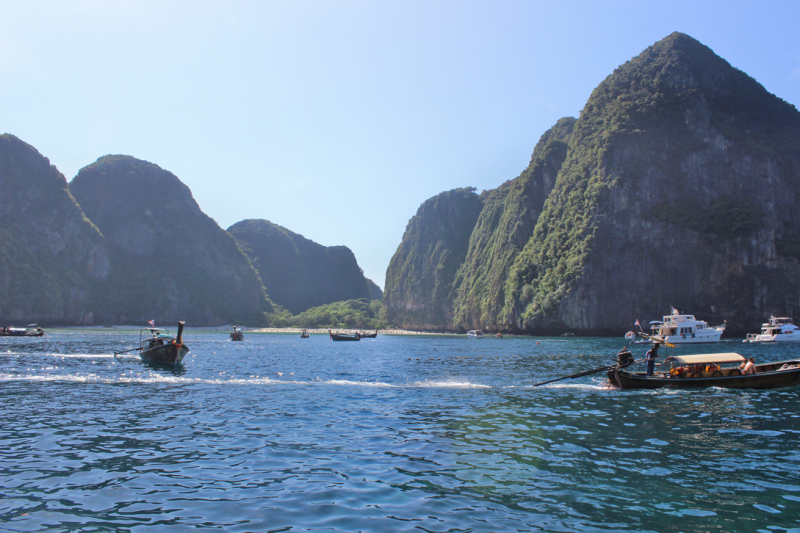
point(364, 335)
point(161, 348)
point(304, 334)
point(707, 370)
point(236, 334)
point(344, 336)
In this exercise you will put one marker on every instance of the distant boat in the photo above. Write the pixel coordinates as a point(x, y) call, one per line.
point(160, 348)
point(365, 335)
point(684, 329)
point(344, 336)
point(568, 334)
point(304, 334)
point(778, 329)
point(475, 334)
point(498, 335)
point(30, 331)
point(236, 334)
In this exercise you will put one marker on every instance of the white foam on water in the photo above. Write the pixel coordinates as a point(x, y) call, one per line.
point(69, 355)
point(449, 384)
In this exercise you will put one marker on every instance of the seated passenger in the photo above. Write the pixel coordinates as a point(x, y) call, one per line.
point(749, 367)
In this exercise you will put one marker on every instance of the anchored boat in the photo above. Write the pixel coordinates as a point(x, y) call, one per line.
point(30, 331)
point(778, 329)
point(344, 336)
point(475, 334)
point(684, 329)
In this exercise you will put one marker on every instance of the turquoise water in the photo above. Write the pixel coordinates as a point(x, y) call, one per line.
point(398, 433)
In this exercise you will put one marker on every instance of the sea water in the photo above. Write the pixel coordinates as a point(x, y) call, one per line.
point(397, 433)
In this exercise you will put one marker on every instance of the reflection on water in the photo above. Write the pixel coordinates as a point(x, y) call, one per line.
point(389, 434)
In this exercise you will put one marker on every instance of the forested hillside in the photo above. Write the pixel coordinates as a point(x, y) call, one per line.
point(299, 273)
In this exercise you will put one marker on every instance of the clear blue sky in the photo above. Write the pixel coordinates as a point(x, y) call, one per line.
point(337, 119)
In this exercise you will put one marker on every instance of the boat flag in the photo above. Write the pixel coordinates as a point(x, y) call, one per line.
point(152, 322)
point(675, 311)
point(637, 322)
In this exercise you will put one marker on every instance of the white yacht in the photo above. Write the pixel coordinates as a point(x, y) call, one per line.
point(684, 329)
point(475, 334)
point(778, 329)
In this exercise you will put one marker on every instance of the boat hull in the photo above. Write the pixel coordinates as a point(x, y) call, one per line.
point(345, 337)
point(166, 355)
point(25, 334)
point(767, 377)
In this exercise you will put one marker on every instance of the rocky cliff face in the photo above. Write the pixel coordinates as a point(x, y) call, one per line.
point(419, 290)
point(51, 256)
point(298, 273)
point(679, 188)
point(169, 260)
point(504, 227)
point(676, 187)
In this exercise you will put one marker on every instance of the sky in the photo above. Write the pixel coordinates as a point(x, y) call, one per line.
point(337, 119)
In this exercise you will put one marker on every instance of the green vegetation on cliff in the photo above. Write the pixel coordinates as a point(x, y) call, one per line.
point(351, 314)
point(298, 273)
point(505, 225)
point(419, 289)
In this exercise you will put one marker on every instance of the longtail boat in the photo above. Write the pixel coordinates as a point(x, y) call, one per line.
point(709, 370)
point(236, 334)
point(365, 335)
point(160, 348)
point(344, 336)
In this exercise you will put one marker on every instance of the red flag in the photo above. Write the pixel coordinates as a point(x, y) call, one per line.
point(152, 322)
point(637, 322)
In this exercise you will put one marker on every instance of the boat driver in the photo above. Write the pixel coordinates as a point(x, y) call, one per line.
point(650, 357)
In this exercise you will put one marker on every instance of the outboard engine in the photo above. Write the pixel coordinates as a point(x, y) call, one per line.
point(624, 358)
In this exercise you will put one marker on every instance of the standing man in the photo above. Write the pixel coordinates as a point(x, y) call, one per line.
point(650, 357)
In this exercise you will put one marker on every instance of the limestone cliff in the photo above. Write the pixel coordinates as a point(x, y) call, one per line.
point(299, 273)
point(51, 256)
point(679, 188)
point(504, 227)
point(170, 261)
point(419, 281)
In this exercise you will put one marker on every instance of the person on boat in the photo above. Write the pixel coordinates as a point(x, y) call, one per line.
point(650, 357)
point(749, 367)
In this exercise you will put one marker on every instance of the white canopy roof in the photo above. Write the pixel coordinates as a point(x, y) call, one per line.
point(708, 358)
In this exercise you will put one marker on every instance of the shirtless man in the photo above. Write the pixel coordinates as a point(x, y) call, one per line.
point(749, 367)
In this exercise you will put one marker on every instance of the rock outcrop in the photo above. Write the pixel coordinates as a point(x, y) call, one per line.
point(419, 290)
point(51, 256)
point(676, 187)
point(299, 273)
point(170, 261)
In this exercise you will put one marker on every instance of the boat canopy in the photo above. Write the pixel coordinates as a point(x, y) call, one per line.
point(708, 358)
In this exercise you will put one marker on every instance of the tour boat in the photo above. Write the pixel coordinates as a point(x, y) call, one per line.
point(778, 329)
point(684, 329)
point(706, 370)
point(30, 331)
point(475, 334)
point(236, 334)
point(304, 334)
